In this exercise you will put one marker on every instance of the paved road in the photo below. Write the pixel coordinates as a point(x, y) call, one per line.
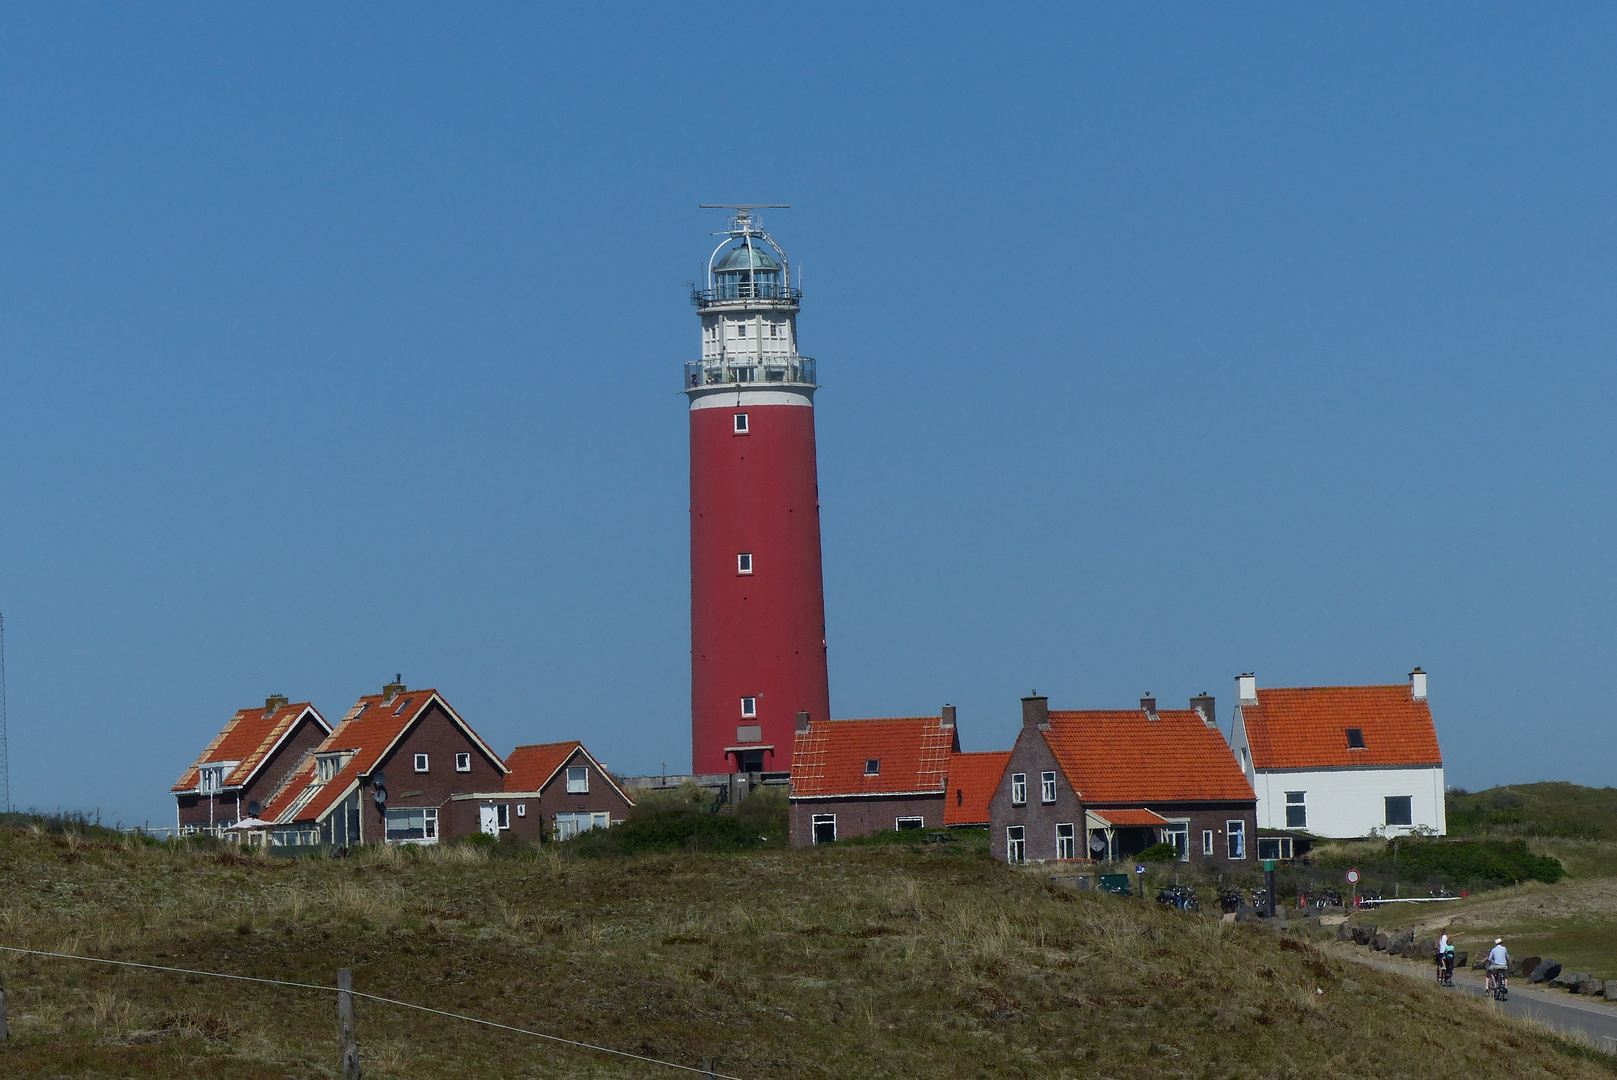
point(1593, 1021)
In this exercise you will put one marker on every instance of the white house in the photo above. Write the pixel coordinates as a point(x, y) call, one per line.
point(1341, 761)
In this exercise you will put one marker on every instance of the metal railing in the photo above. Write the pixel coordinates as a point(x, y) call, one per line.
point(749, 370)
point(742, 291)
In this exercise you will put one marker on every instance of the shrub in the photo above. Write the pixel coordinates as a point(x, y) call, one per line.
point(1160, 853)
point(675, 824)
point(1497, 862)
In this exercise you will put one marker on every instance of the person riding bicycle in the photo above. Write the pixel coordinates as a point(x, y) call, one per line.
point(1445, 959)
point(1497, 963)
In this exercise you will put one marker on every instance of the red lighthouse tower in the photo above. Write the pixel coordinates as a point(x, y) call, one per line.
point(757, 596)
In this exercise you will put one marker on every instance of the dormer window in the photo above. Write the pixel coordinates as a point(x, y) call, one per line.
point(212, 779)
point(1355, 738)
point(327, 766)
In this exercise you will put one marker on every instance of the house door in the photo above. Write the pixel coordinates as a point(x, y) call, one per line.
point(488, 820)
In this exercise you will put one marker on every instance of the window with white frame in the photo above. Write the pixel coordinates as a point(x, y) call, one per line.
point(1274, 847)
point(412, 825)
point(741, 423)
point(522, 809)
point(1296, 810)
point(463, 763)
point(873, 766)
point(744, 563)
point(825, 828)
point(1066, 841)
point(1018, 789)
point(1235, 839)
point(749, 708)
point(570, 825)
point(502, 815)
point(578, 780)
point(421, 763)
point(1177, 833)
point(1207, 841)
point(1400, 810)
point(1015, 844)
point(1047, 787)
point(909, 823)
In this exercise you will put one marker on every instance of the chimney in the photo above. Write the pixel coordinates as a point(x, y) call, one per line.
point(802, 721)
point(1203, 703)
point(392, 689)
point(273, 702)
point(1417, 684)
point(948, 716)
point(1035, 711)
point(1148, 705)
point(1246, 689)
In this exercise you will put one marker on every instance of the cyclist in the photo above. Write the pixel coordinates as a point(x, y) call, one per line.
point(1498, 960)
point(1445, 960)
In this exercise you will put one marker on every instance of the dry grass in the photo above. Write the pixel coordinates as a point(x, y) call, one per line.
point(784, 964)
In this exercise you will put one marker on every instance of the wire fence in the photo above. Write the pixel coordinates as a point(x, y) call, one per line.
point(705, 1070)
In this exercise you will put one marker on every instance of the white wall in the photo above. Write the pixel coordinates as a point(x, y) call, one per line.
point(1351, 802)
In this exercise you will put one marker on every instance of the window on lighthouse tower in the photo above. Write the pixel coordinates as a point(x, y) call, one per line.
point(741, 423)
point(744, 563)
point(749, 708)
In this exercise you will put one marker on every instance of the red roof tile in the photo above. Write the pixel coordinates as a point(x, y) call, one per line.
point(369, 730)
point(533, 766)
point(912, 754)
point(1124, 756)
point(248, 737)
point(1128, 818)
point(973, 779)
point(1305, 727)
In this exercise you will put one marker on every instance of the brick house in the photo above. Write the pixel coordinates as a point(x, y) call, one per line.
point(1113, 782)
point(245, 763)
point(857, 777)
point(388, 772)
point(1340, 761)
point(553, 791)
point(973, 779)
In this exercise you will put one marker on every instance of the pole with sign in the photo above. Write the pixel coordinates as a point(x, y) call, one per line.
point(1353, 882)
point(1269, 888)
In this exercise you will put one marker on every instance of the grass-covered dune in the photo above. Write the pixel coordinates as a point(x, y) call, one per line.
point(1549, 809)
point(833, 963)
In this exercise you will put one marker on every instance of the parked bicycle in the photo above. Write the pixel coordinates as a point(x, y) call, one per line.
point(1328, 898)
point(1229, 900)
point(1182, 897)
point(1370, 898)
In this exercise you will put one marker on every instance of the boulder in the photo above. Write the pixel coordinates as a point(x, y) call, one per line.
point(1526, 966)
point(1547, 969)
point(1411, 950)
point(1591, 987)
point(1569, 980)
point(1361, 935)
point(1228, 916)
point(1380, 942)
point(1344, 932)
point(1460, 958)
point(1427, 946)
point(1610, 993)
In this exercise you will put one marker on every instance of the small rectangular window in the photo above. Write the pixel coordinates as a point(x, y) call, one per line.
point(421, 763)
point(1296, 810)
point(1274, 847)
point(502, 815)
point(1355, 738)
point(744, 563)
point(1015, 845)
point(741, 423)
point(522, 809)
point(1019, 789)
point(825, 828)
point(749, 708)
point(1400, 810)
point(909, 823)
point(1047, 787)
point(1066, 842)
point(741, 330)
point(1207, 841)
point(873, 766)
point(1235, 837)
point(463, 763)
point(578, 780)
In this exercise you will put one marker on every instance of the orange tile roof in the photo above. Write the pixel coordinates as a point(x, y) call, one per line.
point(1128, 818)
point(973, 779)
point(248, 737)
point(533, 766)
point(1305, 727)
point(829, 758)
point(1123, 756)
point(369, 730)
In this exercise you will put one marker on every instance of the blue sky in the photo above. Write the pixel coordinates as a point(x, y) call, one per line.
point(1159, 344)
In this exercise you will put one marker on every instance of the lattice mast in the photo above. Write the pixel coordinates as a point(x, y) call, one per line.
point(5, 750)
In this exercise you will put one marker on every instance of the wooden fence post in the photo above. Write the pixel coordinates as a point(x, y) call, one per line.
point(4, 1032)
point(347, 1039)
point(710, 1068)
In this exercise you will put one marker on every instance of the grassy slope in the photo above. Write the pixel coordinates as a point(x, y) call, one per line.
point(828, 963)
point(1566, 811)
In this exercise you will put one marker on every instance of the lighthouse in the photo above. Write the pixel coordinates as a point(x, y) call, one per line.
point(757, 595)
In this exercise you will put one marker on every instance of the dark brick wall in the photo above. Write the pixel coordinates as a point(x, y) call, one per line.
point(437, 736)
point(863, 815)
point(1031, 756)
point(461, 818)
point(1206, 815)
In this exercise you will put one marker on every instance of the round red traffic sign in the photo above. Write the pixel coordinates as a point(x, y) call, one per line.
point(1353, 877)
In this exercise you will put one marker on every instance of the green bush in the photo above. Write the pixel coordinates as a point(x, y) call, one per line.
point(681, 824)
point(1160, 853)
point(1496, 862)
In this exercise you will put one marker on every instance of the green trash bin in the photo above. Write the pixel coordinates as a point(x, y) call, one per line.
point(1116, 883)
